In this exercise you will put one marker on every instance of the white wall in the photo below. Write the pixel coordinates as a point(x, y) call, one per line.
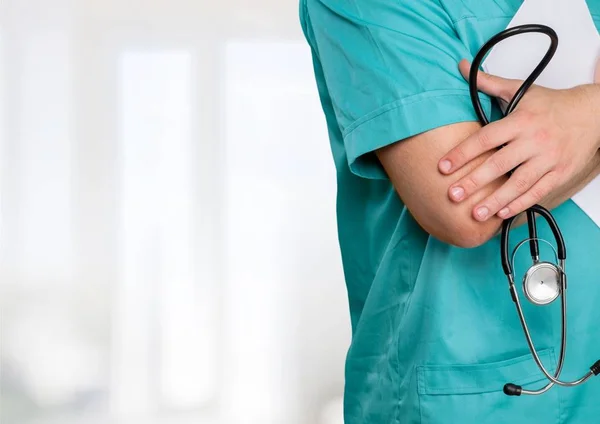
point(168, 250)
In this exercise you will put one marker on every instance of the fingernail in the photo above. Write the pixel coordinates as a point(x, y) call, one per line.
point(445, 166)
point(457, 193)
point(482, 212)
point(503, 213)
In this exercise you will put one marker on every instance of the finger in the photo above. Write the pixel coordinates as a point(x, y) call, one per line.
point(491, 84)
point(487, 138)
point(497, 165)
point(519, 183)
point(533, 196)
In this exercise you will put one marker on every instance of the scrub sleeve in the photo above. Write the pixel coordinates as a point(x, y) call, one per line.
point(391, 71)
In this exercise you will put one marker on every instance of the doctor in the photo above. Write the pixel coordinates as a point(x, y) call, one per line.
point(422, 194)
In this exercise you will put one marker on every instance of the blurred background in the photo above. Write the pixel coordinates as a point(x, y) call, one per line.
point(168, 247)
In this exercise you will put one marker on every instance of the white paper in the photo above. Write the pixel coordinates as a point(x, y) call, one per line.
point(573, 64)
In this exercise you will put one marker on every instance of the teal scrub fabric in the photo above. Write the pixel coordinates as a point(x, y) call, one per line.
point(435, 332)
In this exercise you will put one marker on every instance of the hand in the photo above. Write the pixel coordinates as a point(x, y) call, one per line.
point(550, 137)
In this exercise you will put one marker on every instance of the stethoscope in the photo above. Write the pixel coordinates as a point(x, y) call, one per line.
point(544, 281)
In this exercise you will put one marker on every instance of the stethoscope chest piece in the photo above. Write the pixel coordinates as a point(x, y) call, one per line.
point(542, 283)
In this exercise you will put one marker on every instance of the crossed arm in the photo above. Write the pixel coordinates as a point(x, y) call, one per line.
point(552, 140)
point(412, 166)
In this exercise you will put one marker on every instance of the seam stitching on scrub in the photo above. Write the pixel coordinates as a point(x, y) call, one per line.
point(477, 389)
point(453, 25)
point(358, 20)
point(501, 7)
point(482, 18)
point(415, 98)
point(370, 33)
point(447, 14)
point(427, 389)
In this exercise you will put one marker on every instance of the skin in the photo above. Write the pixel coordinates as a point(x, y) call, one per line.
point(414, 165)
point(550, 138)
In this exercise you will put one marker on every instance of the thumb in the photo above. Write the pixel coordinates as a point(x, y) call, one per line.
point(492, 85)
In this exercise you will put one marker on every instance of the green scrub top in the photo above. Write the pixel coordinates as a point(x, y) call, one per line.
point(435, 334)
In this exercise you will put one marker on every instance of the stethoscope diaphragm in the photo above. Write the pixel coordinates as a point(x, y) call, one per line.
point(542, 283)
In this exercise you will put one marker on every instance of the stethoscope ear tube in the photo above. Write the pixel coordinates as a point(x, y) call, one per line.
point(534, 246)
point(483, 119)
point(518, 30)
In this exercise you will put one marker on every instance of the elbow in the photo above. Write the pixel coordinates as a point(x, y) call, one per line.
point(467, 234)
point(470, 240)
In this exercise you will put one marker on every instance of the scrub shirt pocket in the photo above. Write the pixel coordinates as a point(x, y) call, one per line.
point(472, 394)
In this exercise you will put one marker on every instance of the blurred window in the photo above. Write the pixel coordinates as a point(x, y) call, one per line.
point(164, 320)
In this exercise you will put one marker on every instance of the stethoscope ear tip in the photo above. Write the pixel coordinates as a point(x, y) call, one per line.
point(512, 390)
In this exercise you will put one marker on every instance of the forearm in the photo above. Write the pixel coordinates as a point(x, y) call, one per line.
point(578, 183)
point(591, 170)
point(564, 193)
